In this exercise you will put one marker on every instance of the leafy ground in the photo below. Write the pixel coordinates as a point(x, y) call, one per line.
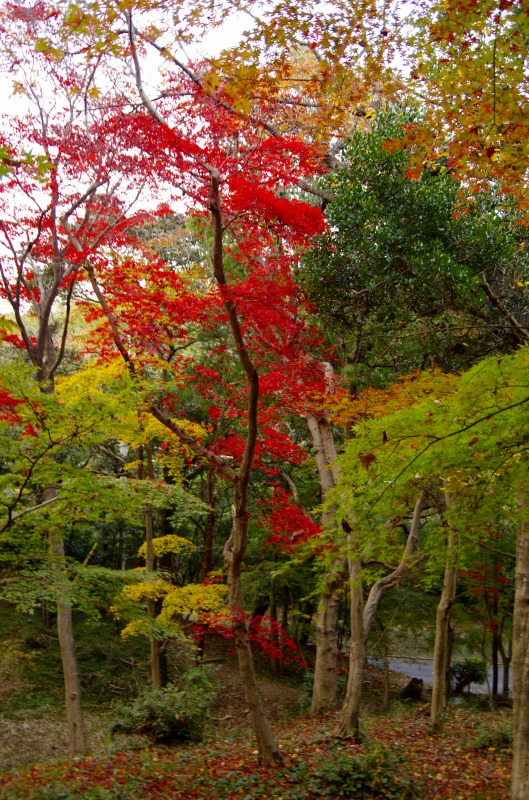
point(399, 757)
point(447, 766)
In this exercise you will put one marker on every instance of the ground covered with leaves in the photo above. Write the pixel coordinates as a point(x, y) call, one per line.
point(399, 758)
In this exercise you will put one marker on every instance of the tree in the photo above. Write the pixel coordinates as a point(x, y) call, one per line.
point(403, 279)
point(324, 687)
point(470, 440)
point(266, 230)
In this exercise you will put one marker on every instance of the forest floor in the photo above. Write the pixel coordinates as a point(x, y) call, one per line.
point(398, 758)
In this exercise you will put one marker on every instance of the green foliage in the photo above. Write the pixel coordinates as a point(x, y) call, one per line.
point(399, 277)
point(464, 438)
point(30, 663)
point(174, 714)
point(463, 673)
point(493, 736)
point(378, 773)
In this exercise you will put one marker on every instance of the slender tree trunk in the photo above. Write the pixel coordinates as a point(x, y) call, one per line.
point(324, 688)
point(72, 691)
point(78, 739)
point(382, 585)
point(155, 644)
point(520, 658)
point(349, 719)
point(209, 533)
point(268, 751)
point(327, 614)
point(45, 614)
point(495, 664)
point(441, 662)
point(449, 651)
point(235, 548)
point(284, 615)
point(506, 656)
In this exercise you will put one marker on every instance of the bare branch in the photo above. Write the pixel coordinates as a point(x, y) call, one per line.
point(523, 333)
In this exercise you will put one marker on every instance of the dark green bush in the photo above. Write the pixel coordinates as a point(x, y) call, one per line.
point(378, 773)
point(493, 737)
point(463, 673)
point(174, 714)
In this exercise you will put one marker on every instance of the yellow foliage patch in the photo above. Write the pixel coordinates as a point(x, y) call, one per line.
point(136, 628)
point(149, 590)
point(168, 544)
point(195, 599)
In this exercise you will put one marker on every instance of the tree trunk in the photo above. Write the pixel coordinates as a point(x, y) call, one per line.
point(284, 615)
point(450, 636)
point(45, 614)
point(506, 656)
point(349, 719)
point(72, 692)
point(268, 751)
point(520, 659)
point(155, 644)
point(382, 585)
point(442, 623)
point(235, 547)
point(495, 664)
point(156, 676)
point(209, 533)
point(324, 687)
point(78, 740)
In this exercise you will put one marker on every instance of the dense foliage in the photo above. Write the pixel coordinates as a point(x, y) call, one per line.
point(263, 358)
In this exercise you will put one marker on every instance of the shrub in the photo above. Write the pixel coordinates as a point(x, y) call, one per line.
point(379, 773)
point(498, 737)
point(463, 673)
point(174, 714)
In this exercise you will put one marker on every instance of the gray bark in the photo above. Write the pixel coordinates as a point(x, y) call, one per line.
point(442, 622)
point(324, 687)
point(349, 719)
point(520, 659)
point(72, 691)
point(381, 586)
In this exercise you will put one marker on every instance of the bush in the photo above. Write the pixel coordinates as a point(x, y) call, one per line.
point(497, 737)
point(463, 673)
point(378, 773)
point(174, 714)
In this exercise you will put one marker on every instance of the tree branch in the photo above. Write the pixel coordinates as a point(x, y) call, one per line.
point(523, 333)
point(13, 517)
